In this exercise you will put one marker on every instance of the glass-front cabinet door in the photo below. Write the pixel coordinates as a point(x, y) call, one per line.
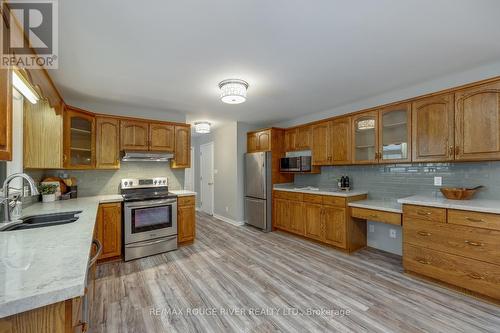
point(365, 138)
point(79, 139)
point(395, 134)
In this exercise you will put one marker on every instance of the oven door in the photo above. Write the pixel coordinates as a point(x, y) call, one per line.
point(150, 219)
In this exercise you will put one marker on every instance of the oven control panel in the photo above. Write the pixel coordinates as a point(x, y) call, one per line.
point(144, 183)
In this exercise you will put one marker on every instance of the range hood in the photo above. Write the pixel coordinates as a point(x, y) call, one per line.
point(146, 156)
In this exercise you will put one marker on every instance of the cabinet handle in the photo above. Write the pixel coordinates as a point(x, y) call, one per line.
point(474, 220)
point(421, 212)
point(424, 233)
point(476, 276)
point(424, 261)
point(474, 243)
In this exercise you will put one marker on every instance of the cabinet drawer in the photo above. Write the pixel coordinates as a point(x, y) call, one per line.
point(376, 215)
point(186, 201)
point(313, 198)
point(475, 243)
point(293, 196)
point(474, 219)
point(480, 277)
point(425, 213)
point(333, 201)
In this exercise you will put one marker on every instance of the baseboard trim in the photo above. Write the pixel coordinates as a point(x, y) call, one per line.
point(228, 220)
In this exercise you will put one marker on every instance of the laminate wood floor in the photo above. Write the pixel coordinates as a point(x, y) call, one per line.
point(238, 279)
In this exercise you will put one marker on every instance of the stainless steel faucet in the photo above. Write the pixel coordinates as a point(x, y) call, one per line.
point(6, 200)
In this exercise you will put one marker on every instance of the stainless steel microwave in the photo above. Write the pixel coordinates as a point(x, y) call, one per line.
point(295, 164)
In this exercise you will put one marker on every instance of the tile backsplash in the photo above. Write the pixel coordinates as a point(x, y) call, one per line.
point(98, 182)
point(400, 180)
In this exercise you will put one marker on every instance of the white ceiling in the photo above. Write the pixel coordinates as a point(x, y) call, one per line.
point(299, 56)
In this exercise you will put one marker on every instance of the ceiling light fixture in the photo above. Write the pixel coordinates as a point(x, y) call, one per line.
point(233, 91)
point(202, 127)
point(24, 87)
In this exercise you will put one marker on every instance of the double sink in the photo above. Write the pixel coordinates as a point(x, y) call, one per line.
point(40, 221)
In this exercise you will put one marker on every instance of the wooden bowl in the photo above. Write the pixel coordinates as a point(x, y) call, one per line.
point(458, 193)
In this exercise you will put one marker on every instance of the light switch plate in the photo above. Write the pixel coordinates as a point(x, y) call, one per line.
point(438, 181)
point(371, 228)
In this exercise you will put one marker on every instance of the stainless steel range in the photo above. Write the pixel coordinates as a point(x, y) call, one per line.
point(150, 217)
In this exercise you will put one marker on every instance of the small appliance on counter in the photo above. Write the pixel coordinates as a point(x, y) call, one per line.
point(150, 217)
point(344, 183)
point(295, 164)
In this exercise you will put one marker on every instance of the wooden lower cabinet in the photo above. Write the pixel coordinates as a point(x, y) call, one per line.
point(109, 230)
point(313, 214)
point(186, 219)
point(334, 221)
point(322, 218)
point(454, 251)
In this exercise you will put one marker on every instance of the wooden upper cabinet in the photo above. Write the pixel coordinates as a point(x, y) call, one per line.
point(341, 141)
point(43, 130)
point(182, 151)
point(259, 141)
point(79, 139)
point(289, 138)
point(107, 143)
point(477, 123)
point(433, 129)
point(161, 137)
point(5, 114)
point(321, 144)
point(365, 138)
point(298, 138)
point(134, 135)
point(395, 134)
point(303, 140)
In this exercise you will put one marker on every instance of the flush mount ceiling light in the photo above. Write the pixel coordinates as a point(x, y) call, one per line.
point(202, 127)
point(233, 91)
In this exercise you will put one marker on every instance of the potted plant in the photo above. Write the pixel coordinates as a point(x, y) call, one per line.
point(48, 192)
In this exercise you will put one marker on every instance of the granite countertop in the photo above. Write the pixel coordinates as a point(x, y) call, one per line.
point(47, 265)
point(318, 190)
point(183, 193)
point(383, 205)
point(476, 205)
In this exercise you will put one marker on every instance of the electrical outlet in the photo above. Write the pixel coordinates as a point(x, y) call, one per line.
point(438, 181)
point(371, 228)
point(392, 233)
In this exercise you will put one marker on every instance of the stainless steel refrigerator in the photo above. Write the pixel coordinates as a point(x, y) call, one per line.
point(258, 190)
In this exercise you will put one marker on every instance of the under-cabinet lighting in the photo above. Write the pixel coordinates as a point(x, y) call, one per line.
point(22, 85)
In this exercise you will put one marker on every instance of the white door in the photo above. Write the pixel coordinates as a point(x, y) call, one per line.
point(207, 178)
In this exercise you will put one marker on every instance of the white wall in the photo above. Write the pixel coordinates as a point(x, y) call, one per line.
point(16, 165)
point(449, 81)
point(229, 149)
point(119, 109)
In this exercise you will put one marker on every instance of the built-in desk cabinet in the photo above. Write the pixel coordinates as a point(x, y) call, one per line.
point(457, 247)
point(322, 218)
